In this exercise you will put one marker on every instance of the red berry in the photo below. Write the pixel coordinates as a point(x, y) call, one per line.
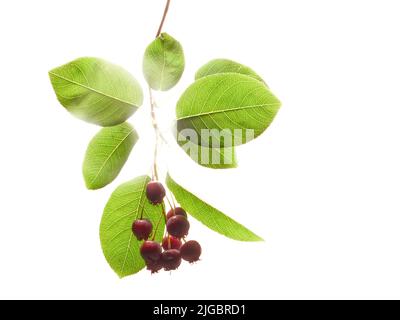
point(142, 229)
point(150, 251)
point(170, 242)
point(191, 251)
point(170, 214)
point(178, 226)
point(178, 211)
point(155, 192)
point(171, 259)
point(154, 266)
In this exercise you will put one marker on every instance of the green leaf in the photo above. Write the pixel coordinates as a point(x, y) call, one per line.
point(209, 216)
point(225, 66)
point(237, 105)
point(96, 91)
point(163, 63)
point(107, 154)
point(213, 158)
point(126, 204)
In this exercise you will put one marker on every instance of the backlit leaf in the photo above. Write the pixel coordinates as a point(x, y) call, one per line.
point(209, 216)
point(107, 154)
point(235, 105)
point(163, 63)
point(126, 204)
point(214, 158)
point(96, 91)
point(225, 66)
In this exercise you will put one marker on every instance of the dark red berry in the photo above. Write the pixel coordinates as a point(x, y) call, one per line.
point(155, 192)
point(178, 211)
point(142, 229)
point(150, 251)
point(154, 266)
point(178, 226)
point(170, 214)
point(191, 251)
point(171, 259)
point(170, 242)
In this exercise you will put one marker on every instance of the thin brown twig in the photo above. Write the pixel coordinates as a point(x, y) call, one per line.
point(163, 18)
point(169, 202)
point(172, 198)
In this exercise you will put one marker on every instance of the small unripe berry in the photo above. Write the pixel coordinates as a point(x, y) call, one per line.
point(150, 251)
point(170, 242)
point(178, 226)
point(155, 192)
point(171, 259)
point(191, 251)
point(178, 211)
point(142, 229)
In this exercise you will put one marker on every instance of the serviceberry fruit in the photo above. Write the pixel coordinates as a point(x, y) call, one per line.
point(142, 229)
point(170, 242)
point(178, 226)
point(150, 251)
point(191, 251)
point(178, 211)
point(155, 192)
point(154, 266)
point(171, 259)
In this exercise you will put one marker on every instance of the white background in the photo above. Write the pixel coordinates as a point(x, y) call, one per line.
point(321, 186)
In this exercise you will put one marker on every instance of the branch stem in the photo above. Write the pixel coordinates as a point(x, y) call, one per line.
point(163, 18)
point(157, 130)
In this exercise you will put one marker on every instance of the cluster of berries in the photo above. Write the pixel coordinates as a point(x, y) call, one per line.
point(169, 254)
